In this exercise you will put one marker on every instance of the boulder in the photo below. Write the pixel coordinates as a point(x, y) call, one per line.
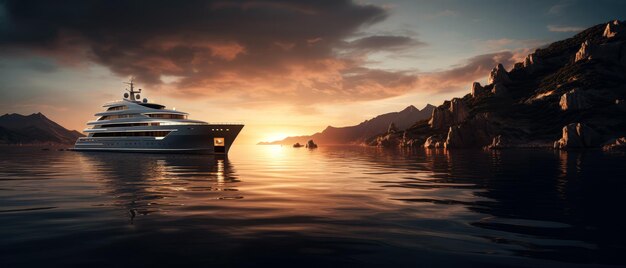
point(408, 142)
point(532, 63)
point(499, 142)
point(499, 89)
point(498, 75)
point(473, 133)
point(584, 52)
point(611, 52)
point(615, 144)
point(613, 29)
point(456, 113)
point(455, 138)
point(574, 99)
point(433, 143)
point(578, 135)
point(477, 90)
point(388, 141)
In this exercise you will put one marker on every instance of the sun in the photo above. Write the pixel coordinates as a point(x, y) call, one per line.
point(275, 136)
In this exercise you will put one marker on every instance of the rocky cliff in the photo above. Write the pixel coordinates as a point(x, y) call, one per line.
point(567, 95)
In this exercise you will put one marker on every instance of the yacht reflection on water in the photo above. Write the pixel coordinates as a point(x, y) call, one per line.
point(153, 182)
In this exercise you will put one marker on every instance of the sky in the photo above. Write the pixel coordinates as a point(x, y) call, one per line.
point(282, 68)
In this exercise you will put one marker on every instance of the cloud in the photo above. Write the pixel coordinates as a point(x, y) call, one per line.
point(564, 29)
point(463, 75)
point(559, 8)
point(384, 42)
point(255, 50)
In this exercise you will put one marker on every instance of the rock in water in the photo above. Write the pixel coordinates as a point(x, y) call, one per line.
point(613, 29)
point(615, 144)
point(573, 100)
point(498, 75)
point(473, 133)
point(311, 145)
point(578, 135)
point(432, 142)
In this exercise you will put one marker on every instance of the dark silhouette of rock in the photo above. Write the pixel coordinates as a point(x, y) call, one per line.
point(498, 75)
point(583, 75)
point(615, 144)
point(578, 135)
point(573, 100)
point(34, 129)
point(433, 142)
point(475, 133)
point(311, 145)
point(532, 63)
point(610, 52)
point(499, 90)
point(477, 90)
point(459, 110)
point(297, 145)
point(443, 117)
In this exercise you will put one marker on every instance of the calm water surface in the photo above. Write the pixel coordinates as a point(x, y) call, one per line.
point(333, 206)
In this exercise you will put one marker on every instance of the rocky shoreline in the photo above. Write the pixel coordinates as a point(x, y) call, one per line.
point(568, 95)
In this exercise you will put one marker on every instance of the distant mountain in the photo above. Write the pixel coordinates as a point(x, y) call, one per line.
point(359, 133)
point(34, 129)
point(570, 94)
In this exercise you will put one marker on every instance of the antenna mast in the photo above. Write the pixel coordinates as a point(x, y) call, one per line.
point(132, 89)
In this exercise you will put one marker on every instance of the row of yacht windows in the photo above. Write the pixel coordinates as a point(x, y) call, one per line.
point(117, 116)
point(131, 125)
point(133, 134)
point(117, 108)
point(165, 116)
point(168, 116)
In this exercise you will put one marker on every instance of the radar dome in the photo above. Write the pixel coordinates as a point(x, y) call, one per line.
point(125, 95)
point(145, 100)
point(137, 96)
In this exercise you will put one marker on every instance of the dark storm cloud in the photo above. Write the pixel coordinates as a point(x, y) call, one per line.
point(207, 45)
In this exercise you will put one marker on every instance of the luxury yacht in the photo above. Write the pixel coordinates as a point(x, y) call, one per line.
point(131, 125)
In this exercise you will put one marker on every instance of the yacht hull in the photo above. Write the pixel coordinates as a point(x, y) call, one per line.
point(188, 139)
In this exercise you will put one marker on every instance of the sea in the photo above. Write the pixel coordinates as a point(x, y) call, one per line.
point(334, 206)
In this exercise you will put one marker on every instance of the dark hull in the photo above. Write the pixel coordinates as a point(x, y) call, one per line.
point(185, 139)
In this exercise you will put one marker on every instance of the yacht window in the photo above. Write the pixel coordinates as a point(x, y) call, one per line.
point(117, 108)
point(133, 134)
point(117, 116)
point(168, 116)
point(130, 125)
